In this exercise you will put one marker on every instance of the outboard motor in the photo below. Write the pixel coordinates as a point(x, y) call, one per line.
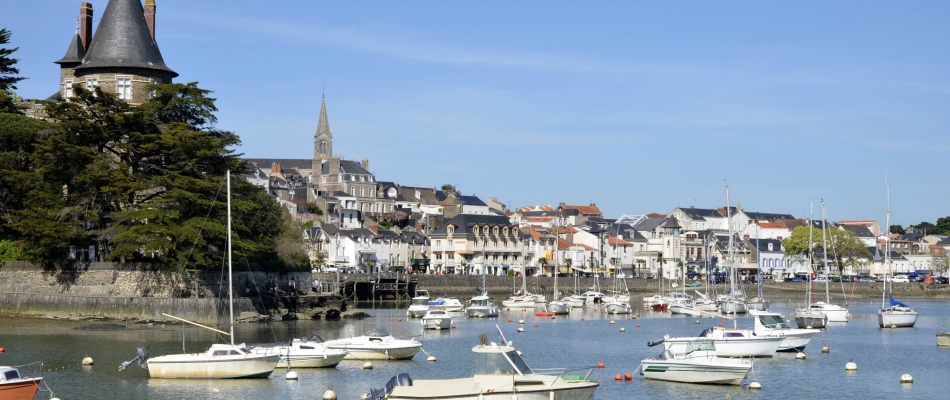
point(402, 379)
point(141, 358)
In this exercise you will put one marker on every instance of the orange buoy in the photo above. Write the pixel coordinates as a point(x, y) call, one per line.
point(509, 319)
point(723, 318)
point(453, 326)
point(582, 318)
point(618, 377)
point(2, 349)
point(638, 325)
point(399, 320)
point(600, 364)
point(535, 324)
point(638, 315)
point(628, 376)
point(720, 324)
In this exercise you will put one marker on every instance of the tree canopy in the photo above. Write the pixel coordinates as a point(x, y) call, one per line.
point(8, 74)
point(844, 247)
point(134, 183)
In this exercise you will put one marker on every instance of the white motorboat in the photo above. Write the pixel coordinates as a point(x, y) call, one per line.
point(450, 304)
point(221, 360)
point(593, 297)
point(575, 301)
point(733, 306)
point(698, 363)
point(437, 318)
point(686, 310)
point(419, 304)
point(376, 344)
point(897, 316)
point(810, 317)
point(524, 299)
point(772, 324)
point(730, 342)
point(618, 307)
point(302, 353)
point(499, 374)
point(651, 300)
point(834, 312)
point(16, 387)
point(481, 307)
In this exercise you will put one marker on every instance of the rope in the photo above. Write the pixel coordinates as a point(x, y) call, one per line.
point(426, 352)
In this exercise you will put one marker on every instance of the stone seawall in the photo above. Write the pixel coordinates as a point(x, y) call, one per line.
point(201, 310)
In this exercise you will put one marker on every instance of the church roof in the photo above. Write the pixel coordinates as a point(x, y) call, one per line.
point(323, 126)
point(122, 40)
point(74, 53)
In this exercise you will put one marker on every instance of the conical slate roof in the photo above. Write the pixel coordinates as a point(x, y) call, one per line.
point(122, 40)
point(323, 126)
point(74, 53)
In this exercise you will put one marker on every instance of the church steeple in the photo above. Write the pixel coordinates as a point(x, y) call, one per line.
point(323, 138)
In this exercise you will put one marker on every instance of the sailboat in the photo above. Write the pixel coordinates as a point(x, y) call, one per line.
point(758, 302)
point(619, 302)
point(810, 317)
point(481, 306)
point(221, 360)
point(834, 312)
point(896, 314)
point(733, 303)
point(557, 306)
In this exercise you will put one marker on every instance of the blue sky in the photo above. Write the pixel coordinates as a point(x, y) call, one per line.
point(637, 106)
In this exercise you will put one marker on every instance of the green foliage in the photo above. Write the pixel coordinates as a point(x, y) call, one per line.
point(385, 224)
point(142, 183)
point(926, 227)
point(897, 229)
point(8, 72)
point(844, 247)
point(12, 251)
point(17, 138)
point(313, 208)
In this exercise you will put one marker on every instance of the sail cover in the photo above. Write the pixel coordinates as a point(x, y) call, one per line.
point(897, 303)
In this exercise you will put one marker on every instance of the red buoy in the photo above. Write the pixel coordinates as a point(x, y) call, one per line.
point(618, 377)
point(582, 318)
point(509, 319)
point(600, 364)
point(535, 324)
point(399, 320)
point(628, 376)
point(638, 325)
point(453, 326)
point(720, 324)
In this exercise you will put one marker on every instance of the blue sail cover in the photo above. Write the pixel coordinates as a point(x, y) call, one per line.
point(895, 302)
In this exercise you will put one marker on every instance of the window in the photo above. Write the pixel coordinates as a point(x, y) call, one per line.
point(153, 81)
point(362, 192)
point(123, 87)
point(68, 88)
point(91, 83)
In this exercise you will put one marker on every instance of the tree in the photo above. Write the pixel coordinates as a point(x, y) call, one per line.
point(940, 265)
point(897, 229)
point(8, 72)
point(450, 188)
point(844, 247)
point(17, 139)
point(943, 226)
point(926, 227)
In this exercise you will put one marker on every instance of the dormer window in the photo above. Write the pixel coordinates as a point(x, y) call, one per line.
point(770, 246)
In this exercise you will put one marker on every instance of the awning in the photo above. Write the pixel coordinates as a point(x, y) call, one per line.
point(367, 251)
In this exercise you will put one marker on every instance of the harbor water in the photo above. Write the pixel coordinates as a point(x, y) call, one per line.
point(583, 338)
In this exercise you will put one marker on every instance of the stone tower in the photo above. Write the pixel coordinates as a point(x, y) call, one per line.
point(323, 138)
point(122, 56)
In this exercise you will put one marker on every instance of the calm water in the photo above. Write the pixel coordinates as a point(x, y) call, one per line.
point(882, 356)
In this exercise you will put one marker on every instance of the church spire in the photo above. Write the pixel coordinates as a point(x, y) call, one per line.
point(323, 138)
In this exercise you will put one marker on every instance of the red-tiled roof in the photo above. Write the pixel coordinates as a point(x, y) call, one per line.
point(614, 240)
point(772, 225)
point(584, 209)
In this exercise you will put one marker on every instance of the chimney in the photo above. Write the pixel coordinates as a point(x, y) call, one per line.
point(275, 168)
point(85, 24)
point(365, 163)
point(150, 17)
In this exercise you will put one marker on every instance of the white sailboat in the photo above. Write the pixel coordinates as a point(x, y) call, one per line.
point(810, 317)
point(834, 312)
point(733, 303)
point(895, 314)
point(377, 344)
point(302, 353)
point(557, 306)
point(481, 306)
point(221, 360)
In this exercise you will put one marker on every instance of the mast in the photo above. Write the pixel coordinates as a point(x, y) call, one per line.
point(887, 245)
point(811, 216)
point(758, 258)
point(230, 284)
point(484, 259)
point(824, 247)
point(732, 259)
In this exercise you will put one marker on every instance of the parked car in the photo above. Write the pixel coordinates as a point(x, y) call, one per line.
point(942, 280)
point(798, 280)
point(865, 279)
point(899, 279)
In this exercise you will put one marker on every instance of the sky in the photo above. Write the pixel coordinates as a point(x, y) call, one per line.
point(640, 107)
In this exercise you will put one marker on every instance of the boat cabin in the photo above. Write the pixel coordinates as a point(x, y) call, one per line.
point(493, 359)
point(772, 321)
point(9, 374)
point(220, 350)
point(480, 301)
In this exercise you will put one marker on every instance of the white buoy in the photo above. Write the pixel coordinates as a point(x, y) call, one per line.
point(893, 326)
point(622, 330)
point(906, 378)
point(755, 385)
point(291, 375)
point(697, 322)
point(825, 349)
point(612, 322)
point(431, 359)
point(521, 321)
point(851, 366)
point(329, 394)
point(367, 365)
point(520, 330)
point(800, 356)
point(87, 360)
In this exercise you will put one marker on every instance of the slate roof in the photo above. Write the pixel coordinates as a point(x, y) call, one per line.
point(122, 40)
point(761, 216)
point(700, 214)
point(763, 244)
point(649, 224)
point(323, 125)
point(672, 223)
point(74, 53)
point(293, 163)
point(464, 222)
point(346, 167)
point(859, 231)
point(470, 201)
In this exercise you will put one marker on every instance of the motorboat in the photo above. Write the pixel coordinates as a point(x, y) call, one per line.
point(220, 360)
point(897, 316)
point(618, 307)
point(730, 342)
point(302, 353)
point(499, 373)
point(481, 307)
point(450, 304)
point(834, 312)
point(810, 318)
point(698, 363)
point(437, 318)
point(575, 301)
point(16, 387)
point(419, 304)
point(523, 299)
point(651, 300)
point(593, 297)
point(772, 324)
point(377, 344)
point(756, 303)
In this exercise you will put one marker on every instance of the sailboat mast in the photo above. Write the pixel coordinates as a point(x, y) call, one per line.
point(230, 285)
point(732, 260)
point(824, 249)
point(887, 245)
point(811, 217)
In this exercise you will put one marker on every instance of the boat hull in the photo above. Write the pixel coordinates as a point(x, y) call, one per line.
point(465, 389)
point(618, 308)
point(297, 361)
point(681, 309)
point(758, 305)
point(734, 307)
point(705, 371)
point(795, 341)
point(225, 367)
point(834, 312)
point(943, 338)
point(481, 312)
point(558, 307)
point(399, 353)
point(896, 319)
point(809, 321)
point(760, 346)
point(418, 312)
point(518, 303)
point(23, 389)
point(437, 323)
